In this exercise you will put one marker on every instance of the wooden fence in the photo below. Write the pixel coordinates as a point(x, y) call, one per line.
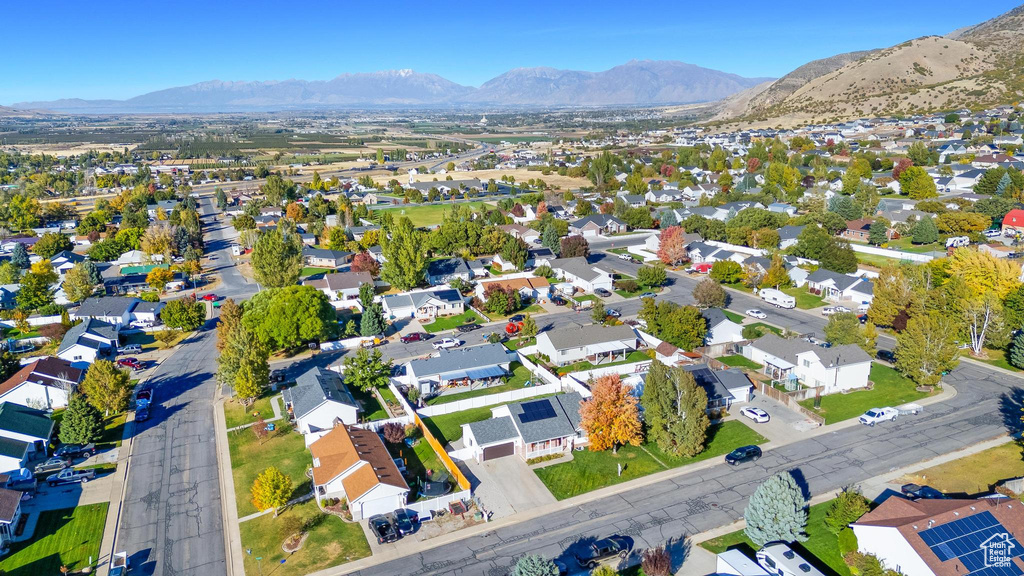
point(790, 400)
point(449, 464)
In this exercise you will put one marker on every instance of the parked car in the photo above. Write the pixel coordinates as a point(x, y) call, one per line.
point(143, 397)
point(467, 328)
point(382, 529)
point(828, 310)
point(603, 293)
point(601, 550)
point(876, 415)
point(743, 454)
point(405, 521)
point(277, 376)
point(130, 349)
point(613, 313)
point(142, 414)
point(211, 297)
point(445, 343)
point(647, 295)
point(414, 337)
point(75, 450)
point(841, 309)
point(141, 324)
point(625, 257)
point(558, 301)
point(71, 476)
point(516, 318)
point(755, 313)
point(132, 363)
point(922, 492)
point(54, 464)
point(886, 356)
point(755, 414)
point(992, 233)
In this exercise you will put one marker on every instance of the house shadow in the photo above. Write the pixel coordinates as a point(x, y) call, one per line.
point(1011, 409)
point(141, 564)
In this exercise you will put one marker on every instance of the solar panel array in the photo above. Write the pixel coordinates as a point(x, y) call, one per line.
point(962, 539)
point(536, 410)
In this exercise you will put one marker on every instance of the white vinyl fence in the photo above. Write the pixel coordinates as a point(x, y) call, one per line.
point(439, 503)
point(895, 254)
point(490, 399)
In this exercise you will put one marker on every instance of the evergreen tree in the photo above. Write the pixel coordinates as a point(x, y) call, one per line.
point(924, 231)
point(551, 240)
point(372, 322)
point(878, 233)
point(776, 511)
point(675, 410)
point(82, 423)
point(19, 256)
point(406, 263)
point(1017, 351)
point(535, 565)
point(1003, 184)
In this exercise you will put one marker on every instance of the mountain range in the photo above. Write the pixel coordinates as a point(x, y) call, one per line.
point(636, 83)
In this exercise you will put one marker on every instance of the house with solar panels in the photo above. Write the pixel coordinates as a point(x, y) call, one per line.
point(459, 367)
point(928, 537)
point(529, 429)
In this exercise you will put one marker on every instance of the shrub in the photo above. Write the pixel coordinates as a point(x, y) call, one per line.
point(393, 432)
point(752, 332)
point(627, 285)
point(846, 508)
point(847, 541)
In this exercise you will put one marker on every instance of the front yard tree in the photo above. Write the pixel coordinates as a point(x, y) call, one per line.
point(657, 561)
point(598, 313)
point(842, 328)
point(529, 328)
point(19, 256)
point(651, 275)
point(574, 246)
point(184, 314)
point(289, 317)
point(672, 246)
point(253, 374)
point(726, 271)
point(515, 251)
point(1017, 350)
point(405, 264)
point(985, 273)
point(551, 240)
point(277, 259)
point(372, 322)
point(924, 231)
point(534, 565)
point(501, 301)
point(37, 286)
point(776, 277)
point(927, 348)
point(675, 410)
point(229, 333)
point(777, 511)
point(367, 370)
point(845, 509)
point(82, 422)
point(271, 489)
point(107, 387)
point(159, 278)
point(709, 294)
point(51, 243)
point(77, 284)
point(611, 417)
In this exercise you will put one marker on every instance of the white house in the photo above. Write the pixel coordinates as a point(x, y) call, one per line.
point(721, 330)
point(447, 269)
point(87, 342)
point(529, 286)
point(10, 512)
point(24, 424)
point(835, 287)
point(529, 429)
point(595, 344)
point(835, 369)
point(44, 384)
point(459, 365)
point(115, 310)
point(424, 304)
point(341, 286)
point(581, 274)
point(597, 225)
point(353, 463)
point(14, 454)
point(318, 402)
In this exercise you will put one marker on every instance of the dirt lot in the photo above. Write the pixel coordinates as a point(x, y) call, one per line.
point(553, 179)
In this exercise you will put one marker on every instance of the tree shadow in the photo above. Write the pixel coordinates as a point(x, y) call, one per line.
point(1011, 409)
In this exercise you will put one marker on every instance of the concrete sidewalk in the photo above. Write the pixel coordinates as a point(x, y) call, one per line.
point(117, 495)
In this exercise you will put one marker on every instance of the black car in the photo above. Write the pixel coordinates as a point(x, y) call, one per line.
point(382, 529)
point(922, 492)
point(516, 318)
point(743, 454)
point(405, 521)
point(277, 376)
point(602, 292)
point(601, 550)
point(75, 450)
point(887, 356)
point(142, 414)
point(468, 328)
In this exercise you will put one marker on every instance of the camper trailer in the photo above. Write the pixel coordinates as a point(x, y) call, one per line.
point(779, 559)
point(778, 298)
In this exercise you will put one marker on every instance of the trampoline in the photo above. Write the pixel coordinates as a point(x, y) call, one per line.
point(435, 489)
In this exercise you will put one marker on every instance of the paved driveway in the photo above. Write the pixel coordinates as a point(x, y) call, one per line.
point(507, 486)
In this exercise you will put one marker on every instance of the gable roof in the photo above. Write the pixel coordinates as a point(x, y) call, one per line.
point(714, 316)
point(580, 336)
point(10, 501)
point(578, 267)
point(106, 306)
point(315, 386)
point(546, 418)
point(340, 281)
point(24, 420)
point(308, 252)
point(841, 281)
point(493, 430)
point(448, 267)
point(599, 220)
point(788, 349)
point(12, 448)
point(717, 383)
point(460, 359)
point(75, 335)
point(47, 371)
point(417, 299)
point(346, 446)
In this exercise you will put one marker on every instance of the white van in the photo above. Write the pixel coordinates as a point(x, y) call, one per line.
point(778, 298)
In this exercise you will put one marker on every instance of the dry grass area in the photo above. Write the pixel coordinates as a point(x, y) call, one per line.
point(521, 175)
point(973, 474)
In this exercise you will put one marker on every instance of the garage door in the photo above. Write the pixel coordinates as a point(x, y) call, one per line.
point(379, 506)
point(492, 452)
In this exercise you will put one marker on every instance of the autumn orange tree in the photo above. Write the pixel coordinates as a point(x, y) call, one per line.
point(672, 246)
point(611, 417)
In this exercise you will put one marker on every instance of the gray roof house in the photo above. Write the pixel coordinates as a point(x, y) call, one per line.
point(424, 304)
point(835, 369)
point(318, 402)
point(88, 341)
point(459, 364)
point(25, 424)
point(836, 287)
point(323, 258)
point(596, 225)
point(531, 428)
point(723, 387)
point(788, 235)
point(721, 329)
point(595, 343)
point(448, 269)
point(116, 310)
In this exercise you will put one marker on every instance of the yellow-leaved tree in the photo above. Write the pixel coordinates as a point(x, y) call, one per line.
point(611, 417)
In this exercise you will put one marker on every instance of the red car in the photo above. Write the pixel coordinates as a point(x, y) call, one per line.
point(209, 297)
point(413, 337)
point(132, 363)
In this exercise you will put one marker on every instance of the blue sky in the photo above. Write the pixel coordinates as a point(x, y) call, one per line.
point(122, 49)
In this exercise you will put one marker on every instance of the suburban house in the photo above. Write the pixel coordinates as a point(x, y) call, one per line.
point(700, 252)
point(581, 274)
point(721, 329)
point(529, 286)
point(115, 310)
point(836, 369)
point(64, 261)
point(10, 513)
point(458, 365)
point(45, 384)
point(534, 257)
point(723, 387)
point(530, 429)
point(88, 341)
point(448, 269)
point(929, 537)
point(24, 424)
point(835, 287)
point(353, 463)
point(318, 402)
point(424, 304)
point(1014, 221)
point(595, 344)
point(596, 225)
point(324, 258)
point(14, 454)
point(522, 232)
point(788, 236)
point(341, 286)
point(857, 230)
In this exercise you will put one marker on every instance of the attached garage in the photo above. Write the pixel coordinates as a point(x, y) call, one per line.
point(498, 451)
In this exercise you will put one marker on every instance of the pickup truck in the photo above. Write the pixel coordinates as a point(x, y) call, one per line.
point(889, 413)
point(70, 476)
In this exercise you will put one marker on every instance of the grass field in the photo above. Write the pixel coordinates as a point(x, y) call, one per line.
point(976, 473)
point(310, 271)
point(113, 431)
point(448, 427)
point(330, 542)
point(236, 414)
point(804, 299)
point(737, 318)
point(282, 448)
point(592, 470)
point(772, 329)
point(67, 537)
point(148, 342)
point(519, 377)
point(429, 214)
point(451, 322)
point(737, 361)
point(999, 359)
point(372, 410)
point(891, 389)
point(632, 357)
point(821, 545)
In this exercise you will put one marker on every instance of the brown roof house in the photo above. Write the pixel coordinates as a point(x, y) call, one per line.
point(945, 537)
point(354, 464)
point(44, 384)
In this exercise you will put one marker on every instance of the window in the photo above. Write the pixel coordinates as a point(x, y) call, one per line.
point(807, 363)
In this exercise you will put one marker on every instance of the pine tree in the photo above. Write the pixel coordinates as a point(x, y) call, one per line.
point(550, 240)
point(924, 231)
point(82, 423)
point(1003, 184)
point(372, 321)
point(19, 256)
point(1017, 351)
point(675, 410)
point(535, 565)
point(777, 511)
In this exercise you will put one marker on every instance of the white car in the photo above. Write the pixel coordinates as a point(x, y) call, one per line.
point(876, 415)
point(755, 313)
point(830, 310)
point(141, 324)
point(842, 309)
point(445, 343)
point(755, 414)
point(130, 349)
point(625, 257)
point(992, 233)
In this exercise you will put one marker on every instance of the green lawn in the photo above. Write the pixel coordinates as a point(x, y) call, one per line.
point(737, 318)
point(113, 431)
point(372, 410)
point(592, 470)
point(418, 460)
point(448, 427)
point(67, 537)
point(451, 322)
point(998, 358)
point(874, 259)
point(773, 329)
point(804, 299)
point(310, 270)
point(148, 342)
point(586, 297)
point(18, 334)
point(429, 214)
point(330, 542)
point(737, 361)
point(634, 356)
point(821, 545)
point(236, 414)
point(891, 389)
point(282, 448)
point(519, 376)
point(532, 309)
